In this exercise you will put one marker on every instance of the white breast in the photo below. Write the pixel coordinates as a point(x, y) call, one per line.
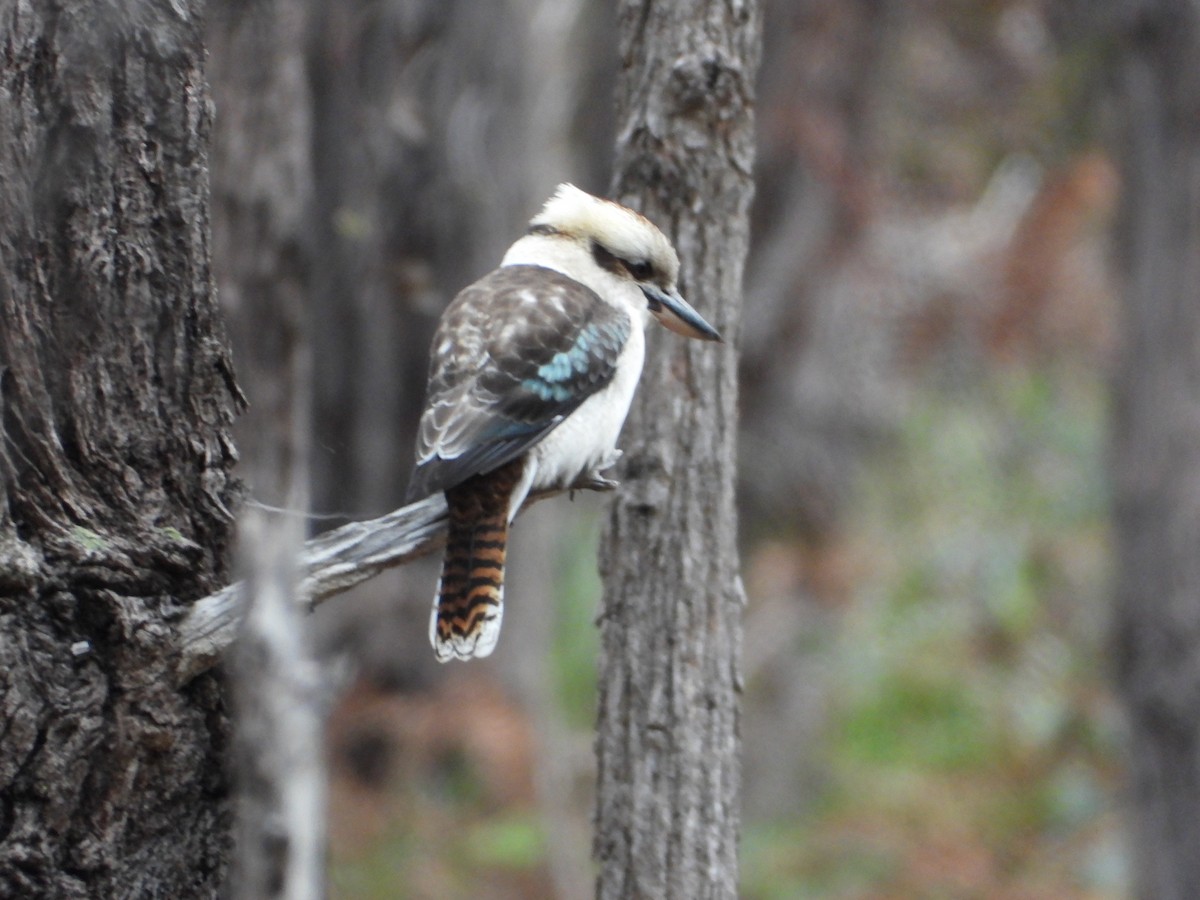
point(589, 435)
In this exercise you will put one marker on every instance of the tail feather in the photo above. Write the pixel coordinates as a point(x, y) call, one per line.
point(469, 605)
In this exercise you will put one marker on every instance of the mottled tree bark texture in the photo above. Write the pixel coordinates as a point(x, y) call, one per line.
point(262, 197)
point(117, 400)
point(1156, 436)
point(667, 744)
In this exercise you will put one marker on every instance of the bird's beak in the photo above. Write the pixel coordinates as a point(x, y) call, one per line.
point(676, 314)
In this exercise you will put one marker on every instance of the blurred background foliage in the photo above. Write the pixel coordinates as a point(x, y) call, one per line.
point(927, 341)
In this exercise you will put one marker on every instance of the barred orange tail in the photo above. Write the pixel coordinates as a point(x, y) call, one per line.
point(470, 599)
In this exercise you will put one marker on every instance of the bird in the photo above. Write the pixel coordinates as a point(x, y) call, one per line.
point(532, 371)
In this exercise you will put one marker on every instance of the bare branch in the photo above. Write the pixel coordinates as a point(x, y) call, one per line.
point(330, 564)
point(279, 845)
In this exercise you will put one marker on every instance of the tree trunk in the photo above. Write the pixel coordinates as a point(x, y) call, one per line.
point(262, 193)
point(117, 400)
point(262, 202)
point(1156, 438)
point(667, 797)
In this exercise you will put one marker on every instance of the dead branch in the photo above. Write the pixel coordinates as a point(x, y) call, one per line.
point(330, 564)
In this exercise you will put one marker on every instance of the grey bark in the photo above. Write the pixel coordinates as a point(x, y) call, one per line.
point(117, 401)
point(667, 744)
point(262, 199)
point(262, 187)
point(279, 744)
point(1156, 436)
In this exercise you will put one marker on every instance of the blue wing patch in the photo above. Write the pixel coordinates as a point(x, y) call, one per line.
point(560, 379)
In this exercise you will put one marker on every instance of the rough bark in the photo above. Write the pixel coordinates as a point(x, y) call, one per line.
point(667, 745)
point(1156, 436)
point(117, 399)
point(262, 200)
point(262, 190)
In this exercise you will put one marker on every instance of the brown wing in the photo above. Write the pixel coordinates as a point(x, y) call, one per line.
point(515, 353)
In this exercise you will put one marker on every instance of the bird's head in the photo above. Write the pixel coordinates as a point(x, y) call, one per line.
point(626, 246)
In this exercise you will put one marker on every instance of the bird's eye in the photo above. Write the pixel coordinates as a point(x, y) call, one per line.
point(641, 271)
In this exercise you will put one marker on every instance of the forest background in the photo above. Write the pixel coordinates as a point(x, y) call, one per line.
point(928, 340)
point(969, 473)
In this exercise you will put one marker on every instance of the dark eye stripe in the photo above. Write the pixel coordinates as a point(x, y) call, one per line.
point(606, 260)
point(641, 271)
point(610, 262)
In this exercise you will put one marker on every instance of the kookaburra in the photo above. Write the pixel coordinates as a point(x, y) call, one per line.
point(532, 371)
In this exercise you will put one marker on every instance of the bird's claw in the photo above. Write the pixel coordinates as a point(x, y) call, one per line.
point(594, 481)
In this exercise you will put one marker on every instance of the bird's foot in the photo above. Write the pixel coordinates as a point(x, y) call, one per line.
point(594, 481)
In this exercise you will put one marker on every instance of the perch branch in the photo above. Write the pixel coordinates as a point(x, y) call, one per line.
point(330, 564)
